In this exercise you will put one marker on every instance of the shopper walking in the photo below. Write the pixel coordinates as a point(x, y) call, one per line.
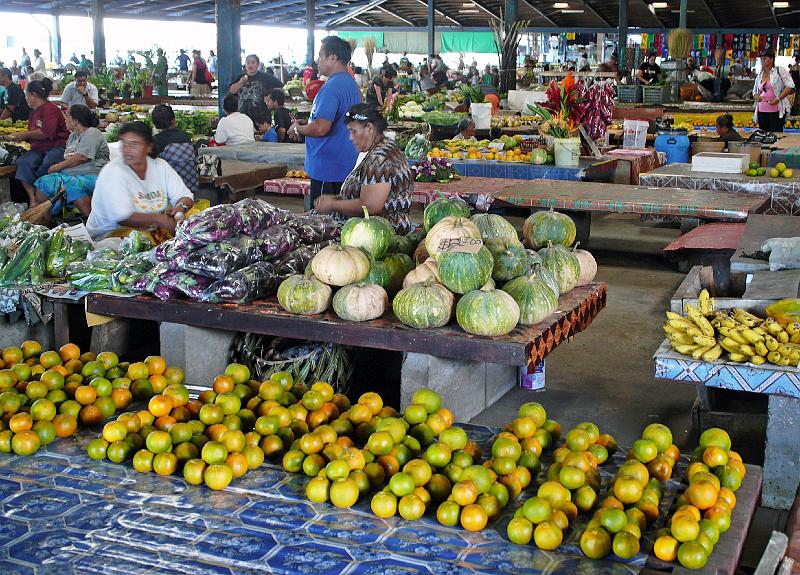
point(200, 77)
point(330, 155)
point(771, 92)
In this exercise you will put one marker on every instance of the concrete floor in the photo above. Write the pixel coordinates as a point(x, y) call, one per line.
point(605, 374)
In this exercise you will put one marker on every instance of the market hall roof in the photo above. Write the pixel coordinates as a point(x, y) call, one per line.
point(705, 15)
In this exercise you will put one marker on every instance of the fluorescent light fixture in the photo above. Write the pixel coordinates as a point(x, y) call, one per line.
point(780, 4)
point(561, 5)
point(572, 11)
point(659, 5)
point(465, 11)
point(468, 5)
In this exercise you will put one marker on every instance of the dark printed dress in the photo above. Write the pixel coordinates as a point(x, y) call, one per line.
point(385, 163)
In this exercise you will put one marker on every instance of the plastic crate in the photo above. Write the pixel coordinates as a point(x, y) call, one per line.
point(629, 94)
point(655, 95)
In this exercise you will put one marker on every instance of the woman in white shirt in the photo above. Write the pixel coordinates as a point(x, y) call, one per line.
point(137, 191)
point(771, 92)
point(235, 127)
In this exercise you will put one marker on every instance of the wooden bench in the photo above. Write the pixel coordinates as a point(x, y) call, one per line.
point(240, 180)
point(711, 244)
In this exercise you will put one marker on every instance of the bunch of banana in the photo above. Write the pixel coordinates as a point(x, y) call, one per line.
point(747, 337)
point(296, 174)
point(694, 335)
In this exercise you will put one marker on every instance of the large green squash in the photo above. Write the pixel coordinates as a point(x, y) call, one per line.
point(424, 305)
point(448, 229)
point(398, 266)
point(442, 207)
point(304, 295)
point(549, 226)
point(535, 298)
point(462, 272)
point(510, 258)
point(489, 312)
point(563, 264)
point(371, 234)
point(360, 302)
point(494, 226)
point(340, 265)
point(404, 244)
point(547, 277)
point(379, 275)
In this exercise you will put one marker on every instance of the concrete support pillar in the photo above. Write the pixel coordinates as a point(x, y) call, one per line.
point(683, 15)
point(99, 34)
point(229, 46)
point(782, 454)
point(431, 29)
point(56, 39)
point(511, 13)
point(622, 38)
point(202, 353)
point(310, 24)
point(601, 47)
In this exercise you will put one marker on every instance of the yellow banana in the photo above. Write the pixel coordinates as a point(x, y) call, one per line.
point(761, 348)
point(716, 324)
point(729, 345)
point(712, 354)
point(694, 330)
point(783, 337)
point(704, 303)
point(758, 360)
point(784, 361)
point(773, 326)
point(773, 357)
point(794, 357)
point(737, 357)
point(795, 338)
point(704, 340)
point(699, 353)
point(793, 327)
point(771, 343)
point(673, 315)
point(747, 349)
point(668, 329)
point(700, 320)
point(681, 338)
point(745, 317)
point(725, 320)
point(686, 349)
point(785, 350)
point(751, 336)
point(735, 335)
point(682, 323)
point(761, 331)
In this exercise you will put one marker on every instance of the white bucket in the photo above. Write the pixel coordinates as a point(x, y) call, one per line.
point(635, 134)
point(481, 115)
point(567, 151)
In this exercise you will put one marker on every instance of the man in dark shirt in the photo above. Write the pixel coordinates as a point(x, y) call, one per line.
point(649, 72)
point(377, 91)
point(174, 146)
point(281, 118)
point(252, 87)
point(12, 103)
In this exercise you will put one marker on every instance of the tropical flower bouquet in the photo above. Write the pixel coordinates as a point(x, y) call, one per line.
point(434, 170)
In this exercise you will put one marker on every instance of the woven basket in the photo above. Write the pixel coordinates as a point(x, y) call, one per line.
point(322, 362)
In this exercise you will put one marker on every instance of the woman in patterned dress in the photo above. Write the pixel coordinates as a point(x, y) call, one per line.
point(382, 181)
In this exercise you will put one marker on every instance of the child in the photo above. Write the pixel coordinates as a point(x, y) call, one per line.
point(264, 124)
point(726, 131)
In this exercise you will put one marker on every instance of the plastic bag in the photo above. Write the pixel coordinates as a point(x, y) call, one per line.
point(217, 260)
point(784, 253)
point(91, 281)
point(785, 311)
point(315, 229)
point(106, 259)
point(277, 241)
point(189, 284)
point(253, 282)
point(297, 261)
point(213, 225)
point(257, 215)
point(163, 292)
point(134, 243)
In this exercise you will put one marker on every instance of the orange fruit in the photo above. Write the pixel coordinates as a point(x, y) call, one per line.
point(547, 536)
point(155, 364)
point(12, 355)
point(122, 398)
point(223, 384)
point(474, 517)
point(174, 375)
point(69, 351)
point(666, 548)
point(31, 349)
point(20, 422)
point(159, 405)
point(628, 489)
point(595, 543)
point(25, 442)
point(85, 394)
point(692, 555)
point(138, 370)
point(702, 494)
point(715, 456)
point(218, 476)
point(238, 373)
point(727, 495)
point(685, 528)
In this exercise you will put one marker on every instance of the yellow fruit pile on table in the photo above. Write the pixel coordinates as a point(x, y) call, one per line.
point(705, 333)
point(704, 510)
point(297, 174)
point(8, 126)
point(513, 155)
point(45, 395)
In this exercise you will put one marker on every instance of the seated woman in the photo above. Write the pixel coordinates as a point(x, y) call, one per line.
point(84, 156)
point(466, 130)
point(382, 182)
point(137, 191)
point(47, 134)
point(726, 131)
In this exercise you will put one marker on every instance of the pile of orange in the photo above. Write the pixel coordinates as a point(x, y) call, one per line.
point(46, 394)
point(704, 510)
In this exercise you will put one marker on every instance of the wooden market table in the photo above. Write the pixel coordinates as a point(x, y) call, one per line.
point(446, 359)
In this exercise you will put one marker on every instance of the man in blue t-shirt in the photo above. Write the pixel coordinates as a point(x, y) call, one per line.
point(330, 156)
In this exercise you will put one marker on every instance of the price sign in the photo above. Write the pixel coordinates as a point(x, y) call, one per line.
point(460, 245)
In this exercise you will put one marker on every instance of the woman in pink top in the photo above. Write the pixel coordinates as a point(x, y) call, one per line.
point(47, 134)
point(771, 91)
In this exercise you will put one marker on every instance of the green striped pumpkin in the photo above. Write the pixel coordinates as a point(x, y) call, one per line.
point(489, 312)
point(424, 305)
point(372, 234)
point(398, 266)
point(360, 302)
point(304, 295)
point(549, 226)
point(563, 264)
point(462, 272)
point(443, 207)
point(547, 277)
point(510, 258)
point(494, 226)
point(535, 298)
point(379, 275)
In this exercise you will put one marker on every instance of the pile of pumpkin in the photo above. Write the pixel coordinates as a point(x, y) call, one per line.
point(497, 282)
